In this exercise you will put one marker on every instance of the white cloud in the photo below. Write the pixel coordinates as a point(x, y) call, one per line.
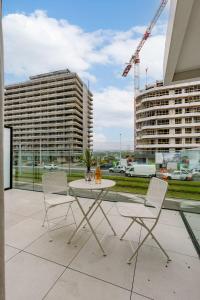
point(151, 56)
point(36, 43)
point(99, 141)
point(113, 107)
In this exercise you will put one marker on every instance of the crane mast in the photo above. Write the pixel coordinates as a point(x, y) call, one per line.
point(135, 59)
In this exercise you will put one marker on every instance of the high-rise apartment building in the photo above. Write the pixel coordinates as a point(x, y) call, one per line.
point(168, 117)
point(51, 115)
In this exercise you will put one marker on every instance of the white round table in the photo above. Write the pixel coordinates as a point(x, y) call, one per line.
point(91, 185)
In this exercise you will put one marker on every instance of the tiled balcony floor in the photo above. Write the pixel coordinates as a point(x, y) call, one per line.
point(37, 269)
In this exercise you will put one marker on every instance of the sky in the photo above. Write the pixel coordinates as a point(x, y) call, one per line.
point(94, 38)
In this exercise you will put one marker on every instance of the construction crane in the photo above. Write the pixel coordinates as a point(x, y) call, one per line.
point(135, 60)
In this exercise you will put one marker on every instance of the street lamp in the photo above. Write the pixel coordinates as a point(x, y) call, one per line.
point(120, 146)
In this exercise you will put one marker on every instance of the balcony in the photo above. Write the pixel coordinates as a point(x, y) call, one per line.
point(171, 145)
point(38, 269)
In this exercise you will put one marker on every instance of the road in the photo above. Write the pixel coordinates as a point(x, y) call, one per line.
point(30, 169)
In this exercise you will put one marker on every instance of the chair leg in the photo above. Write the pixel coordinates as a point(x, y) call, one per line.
point(73, 215)
point(48, 228)
point(67, 211)
point(157, 242)
point(139, 246)
point(129, 226)
point(44, 218)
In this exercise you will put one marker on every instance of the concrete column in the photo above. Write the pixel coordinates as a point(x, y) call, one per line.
point(2, 270)
point(85, 117)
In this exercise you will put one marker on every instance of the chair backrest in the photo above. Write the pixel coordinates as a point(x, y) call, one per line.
point(156, 192)
point(54, 182)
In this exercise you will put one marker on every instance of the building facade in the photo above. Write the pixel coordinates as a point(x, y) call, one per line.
point(51, 115)
point(168, 117)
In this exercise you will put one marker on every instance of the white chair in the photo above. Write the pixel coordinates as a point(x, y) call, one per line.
point(53, 184)
point(139, 213)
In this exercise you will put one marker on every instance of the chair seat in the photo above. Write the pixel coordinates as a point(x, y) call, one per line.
point(58, 199)
point(132, 210)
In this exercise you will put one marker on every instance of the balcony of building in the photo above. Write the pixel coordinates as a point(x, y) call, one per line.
point(39, 269)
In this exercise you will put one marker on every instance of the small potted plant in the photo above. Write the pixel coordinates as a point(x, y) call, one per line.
point(87, 158)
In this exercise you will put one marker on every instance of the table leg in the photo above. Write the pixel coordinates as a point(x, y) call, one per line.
point(99, 206)
point(84, 214)
point(98, 203)
point(107, 220)
point(86, 218)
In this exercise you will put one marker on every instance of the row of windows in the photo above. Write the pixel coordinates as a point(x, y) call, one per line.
point(166, 121)
point(148, 114)
point(178, 111)
point(30, 104)
point(188, 110)
point(176, 91)
point(41, 85)
point(153, 123)
point(166, 131)
point(166, 141)
point(153, 103)
point(41, 96)
point(194, 88)
point(163, 102)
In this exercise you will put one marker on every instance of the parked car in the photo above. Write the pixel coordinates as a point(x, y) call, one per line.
point(106, 166)
point(196, 174)
point(118, 169)
point(50, 167)
point(178, 175)
point(195, 171)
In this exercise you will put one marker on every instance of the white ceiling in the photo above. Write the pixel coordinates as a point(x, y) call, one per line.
point(182, 49)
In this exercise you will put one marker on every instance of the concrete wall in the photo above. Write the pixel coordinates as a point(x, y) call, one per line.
point(2, 272)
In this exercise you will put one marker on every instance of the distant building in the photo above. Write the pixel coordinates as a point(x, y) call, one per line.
point(168, 117)
point(51, 115)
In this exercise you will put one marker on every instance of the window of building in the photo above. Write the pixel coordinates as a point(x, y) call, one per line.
point(188, 140)
point(187, 110)
point(188, 130)
point(162, 112)
point(196, 109)
point(191, 89)
point(178, 91)
point(188, 120)
point(197, 119)
point(163, 141)
point(163, 122)
point(149, 132)
point(197, 140)
point(193, 99)
point(178, 111)
point(178, 121)
point(178, 101)
point(178, 130)
point(197, 130)
point(178, 141)
point(163, 131)
point(187, 100)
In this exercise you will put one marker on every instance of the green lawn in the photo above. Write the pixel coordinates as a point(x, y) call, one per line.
point(177, 189)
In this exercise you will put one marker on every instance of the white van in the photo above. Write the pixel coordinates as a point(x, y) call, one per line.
point(141, 170)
